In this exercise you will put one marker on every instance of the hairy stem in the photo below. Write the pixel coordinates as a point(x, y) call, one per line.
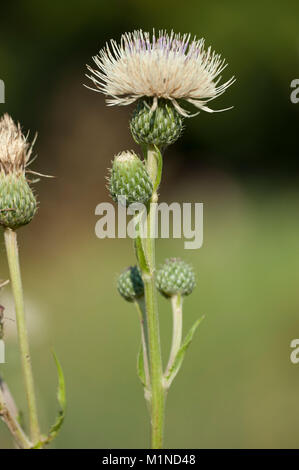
point(177, 308)
point(155, 360)
point(10, 237)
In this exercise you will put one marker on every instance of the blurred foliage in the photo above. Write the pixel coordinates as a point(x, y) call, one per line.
point(237, 387)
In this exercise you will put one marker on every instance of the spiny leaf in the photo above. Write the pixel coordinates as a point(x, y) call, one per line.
point(55, 428)
point(181, 353)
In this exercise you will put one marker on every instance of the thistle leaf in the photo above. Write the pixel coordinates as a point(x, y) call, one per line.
point(140, 254)
point(159, 168)
point(140, 366)
point(177, 363)
point(55, 428)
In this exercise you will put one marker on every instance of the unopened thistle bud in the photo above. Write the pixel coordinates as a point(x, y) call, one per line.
point(130, 284)
point(162, 126)
point(17, 202)
point(175, 277)
point(129, 180)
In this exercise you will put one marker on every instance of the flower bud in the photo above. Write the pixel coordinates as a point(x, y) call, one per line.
point(162, 126)
point(175, 277)
point(130, 284)
point(17, 202)
point(129, 179)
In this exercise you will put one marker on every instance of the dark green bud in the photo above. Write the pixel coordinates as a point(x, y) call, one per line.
point(17, 202)
point(129, 179)
point(175, 277)
point(130, 284)
point(161, 127)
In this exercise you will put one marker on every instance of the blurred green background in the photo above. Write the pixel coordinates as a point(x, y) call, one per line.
point(238, 387)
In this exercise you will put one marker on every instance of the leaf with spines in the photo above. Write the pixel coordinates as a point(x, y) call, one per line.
point(178, 360)
point(61, 397)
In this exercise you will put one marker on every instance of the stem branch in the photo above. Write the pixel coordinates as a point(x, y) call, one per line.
point(177, 306)
point(12, 423)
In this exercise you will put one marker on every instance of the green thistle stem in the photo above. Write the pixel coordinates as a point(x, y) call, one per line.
point(156, 373)
point(10, 237)
point(177, 315)
point(140, 305)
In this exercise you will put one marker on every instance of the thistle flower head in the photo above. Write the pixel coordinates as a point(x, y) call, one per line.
point(170, 66)
point(17, 201)
point(15, 150)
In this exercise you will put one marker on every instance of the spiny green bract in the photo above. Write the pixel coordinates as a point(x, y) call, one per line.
point(175, 277)
point(130, 284)
point(160, 127)
point(129, 179)
point(17, 202)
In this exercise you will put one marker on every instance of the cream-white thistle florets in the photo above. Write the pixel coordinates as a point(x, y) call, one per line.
point(15, 150)
point(170, 66)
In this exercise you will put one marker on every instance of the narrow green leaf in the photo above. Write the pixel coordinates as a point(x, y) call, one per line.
point(181, 353)
point(55, 428)
point(139, 250)
point(159, 168)
point(140, 366)
point(142, 261)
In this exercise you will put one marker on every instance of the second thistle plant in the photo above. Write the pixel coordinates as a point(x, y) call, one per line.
point(18, 206)
point(157, 73)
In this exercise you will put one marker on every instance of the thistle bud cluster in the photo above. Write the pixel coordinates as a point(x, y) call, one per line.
point(152, 124)
point(17, 201)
